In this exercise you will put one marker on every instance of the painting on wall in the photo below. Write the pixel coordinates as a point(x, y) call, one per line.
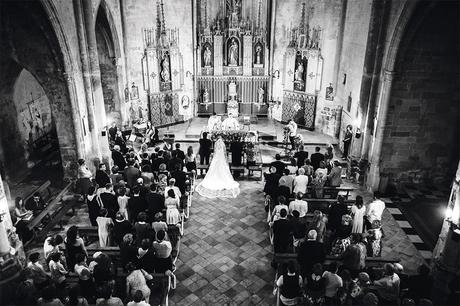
point(330, 92)
point(300, 71)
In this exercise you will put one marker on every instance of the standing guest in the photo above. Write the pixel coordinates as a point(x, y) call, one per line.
point(106, 298)
point(167, 146)
point(180, 178)
point(157, 161)
point(292, 167)
point(136, 281)
point(23, 217)
point(335, 176)
point(123, 203)
point(319, 224)
point(292, 132)
point(147, 175)
point(333, 284)
point(336, 212)
point(85, 278)
point(120, 228)
point(136, 204)
point(282, 233)
point(374, 240)
point(329, 155)
point(300, 182)
point(128, 251)
point(172, 185)
point(94, 205)
point(159, 225)
point(300, 205)
point(236, 148)
point(179, 153)
point(289, 284)
point(155, 202)
point(142, 228)
point(138, 300)
point(109, 200)
point(205, 150)
point(113, 131)
point(388, 286)
point(74, 298)
point(115, 176)
point(102, 178)
point(162, 250)
point(301, 155)
point(271, 183)
point(74, 245)
point(174, 162)
point(308, 169)
point(347, 141)
point(190, 160)
point(58, 272)
point(357, 213)
point(120, 141)
point(298, 228)
point(278, 164)
point(420, 285)
point(34, 270)
point(150, 132)
point(315, 285)
point(49, 298)
point(310, 252)
point(104, 227)
point(35, 203)
point(321, 170)
point(131, 174)
point(354, 257)
point(287, 180)
point(318, 185)
point(276, 213)
point(84, 177)
point(341, 238)
point(145, 158)
point(118, 158)
point(172, 207)
point(316, 158)
point(374, 211)
point(146, 256)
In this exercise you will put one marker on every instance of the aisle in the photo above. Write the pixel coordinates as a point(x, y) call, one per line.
point(225, 252)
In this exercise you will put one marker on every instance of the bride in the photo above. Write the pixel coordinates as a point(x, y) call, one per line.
point(219, 182)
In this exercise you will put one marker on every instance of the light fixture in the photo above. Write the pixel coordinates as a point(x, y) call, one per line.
point(188, 74)
point(275, 74)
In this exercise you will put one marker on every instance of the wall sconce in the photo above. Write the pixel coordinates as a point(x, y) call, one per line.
point(275, 74)
point(188, 74)
point(358, 133)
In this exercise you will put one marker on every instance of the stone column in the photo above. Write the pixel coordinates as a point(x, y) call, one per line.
point(95, 74)
point(373, 177)
point(272, 44)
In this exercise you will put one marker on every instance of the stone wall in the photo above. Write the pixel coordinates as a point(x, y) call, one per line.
point(421, 141)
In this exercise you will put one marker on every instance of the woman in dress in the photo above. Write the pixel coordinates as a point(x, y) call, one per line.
point(93, 205)
point(74, 245)
point(190, 160)
point(123, 202)
point(23, 217)
point(219, 181)
point(172, 208)
point(84, 177)
point(137, 280)
point(85, 278)
point(358, 210)
point(104, 227)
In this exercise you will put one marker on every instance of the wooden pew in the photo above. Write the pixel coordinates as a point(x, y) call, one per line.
point(331, 191)
point(44, 191)
point(56, 209)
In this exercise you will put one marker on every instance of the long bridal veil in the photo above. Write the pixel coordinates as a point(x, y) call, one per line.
point(219, 182)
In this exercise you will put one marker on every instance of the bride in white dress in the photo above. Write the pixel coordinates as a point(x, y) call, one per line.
point(219, 182)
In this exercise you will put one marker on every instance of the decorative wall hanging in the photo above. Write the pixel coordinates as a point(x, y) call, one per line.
point(330, 92)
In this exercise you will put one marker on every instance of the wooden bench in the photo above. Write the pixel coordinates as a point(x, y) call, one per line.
point(333, 191)
point(257, 168)
point(44, 191)
point(56, 209)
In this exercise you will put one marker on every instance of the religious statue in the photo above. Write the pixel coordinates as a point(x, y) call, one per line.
point(165, 69)
point(234, 15)
point(206, 96)
point(299, 72)
point(207, 56)
point(232, 90)
point(261, 95)
point(233, 53)
point(258, 55)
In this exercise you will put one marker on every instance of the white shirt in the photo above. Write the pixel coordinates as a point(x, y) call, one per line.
point(300, 205)
point(375, 210)
point(300, 183)
point(293, 130)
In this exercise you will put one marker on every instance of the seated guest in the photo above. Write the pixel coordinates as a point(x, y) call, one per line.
point(287, 180)
point(155, 202)
point(104, 227)
point(180, 178)
point(128, 251)
point(300, 182)
point(420, 285)
point(290, 284)
point(120, 228)
point(136, 282)
point(142, 228)
point(35, 204)
point(49, 297)
point(335, 176)
point(118, 158)
point(23, 216)
point(388, 286)
point(57, 270)
point(35, 271)
point(316, 158)
point(51, 245)
point(102, 178)
point(278, 164)
point(282, 233)
point(309, 253)
point(333, 284)
point(299, 205)
point(354, 257)
point(109, 200)
point(298, 228)
point(146, 256)
point(336, 212)
point(75, 297)
point(301, 155)
point(131, 174)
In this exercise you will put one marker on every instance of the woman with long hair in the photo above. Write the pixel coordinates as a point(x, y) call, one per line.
point(74, 245)
point(22, 219)
point(190, 159)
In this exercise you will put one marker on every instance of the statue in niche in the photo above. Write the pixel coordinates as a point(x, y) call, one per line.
point(299, 72)
point(207, 56)
point(165, 76)
point(205, 96)
point(258, 55)
point(234, 15)
point(261, 95)
point(233, 53)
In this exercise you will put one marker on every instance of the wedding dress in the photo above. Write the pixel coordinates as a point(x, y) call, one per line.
point(219, 182)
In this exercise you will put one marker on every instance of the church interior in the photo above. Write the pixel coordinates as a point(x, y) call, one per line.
point(229, 152)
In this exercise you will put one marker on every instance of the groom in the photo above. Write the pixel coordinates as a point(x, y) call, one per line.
point(205, 150)
point(236, 148)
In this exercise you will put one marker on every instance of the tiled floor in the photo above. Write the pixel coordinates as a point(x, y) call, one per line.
point(225, 253)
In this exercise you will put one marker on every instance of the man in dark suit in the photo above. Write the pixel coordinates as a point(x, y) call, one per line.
point(301, 156)
point(136, 204)
point(175, 162)
point(131, 174)
point(109, 200)
point(179, 153)
point(102, 178)
point(282, 233)
point(205, 149)
point(278, 164)
point(35, 204)
point(271, 183)
point(310, 252)
point(181, 177)
point(316, 158)
point(118, 158)
point(236, 148)
point(158, 161)
point(155, 202)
